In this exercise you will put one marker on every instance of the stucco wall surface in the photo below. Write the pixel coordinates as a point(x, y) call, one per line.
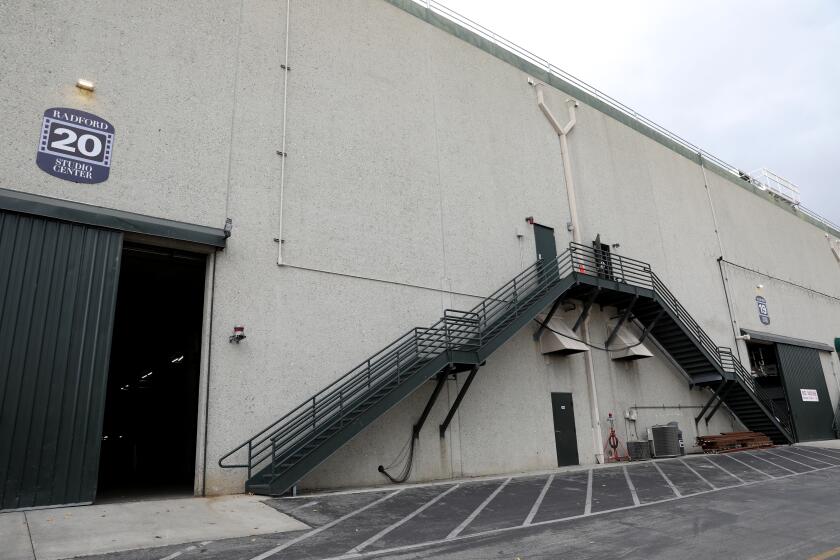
point(413, 159)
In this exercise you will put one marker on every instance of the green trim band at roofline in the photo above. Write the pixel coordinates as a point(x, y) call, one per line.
point(769, 337)
point(76, 212)
point(453, 28)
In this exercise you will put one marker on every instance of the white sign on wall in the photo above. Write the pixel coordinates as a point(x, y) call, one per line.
point(809, 395)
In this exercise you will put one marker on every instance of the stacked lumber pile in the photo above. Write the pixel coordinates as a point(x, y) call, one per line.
point(733, 441)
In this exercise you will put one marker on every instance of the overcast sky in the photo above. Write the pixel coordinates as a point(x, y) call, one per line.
point(754, 82)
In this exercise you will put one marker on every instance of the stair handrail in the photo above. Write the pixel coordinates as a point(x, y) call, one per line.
point(463, 330)
point(446, 334)
point(733, 365)
point(692, 326)
point(640, 274)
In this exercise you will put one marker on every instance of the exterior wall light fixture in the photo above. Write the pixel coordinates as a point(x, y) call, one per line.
point(238, 334)
point(86, 85)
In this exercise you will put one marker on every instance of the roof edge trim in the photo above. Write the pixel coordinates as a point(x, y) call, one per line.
point(476, 40)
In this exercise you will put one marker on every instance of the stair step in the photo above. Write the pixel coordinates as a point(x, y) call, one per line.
point(671, 334)
point(699, 366)
point(670, 337)
point(685, 349)
point(689, 358)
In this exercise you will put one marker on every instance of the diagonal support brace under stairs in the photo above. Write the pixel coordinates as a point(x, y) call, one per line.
point(458, 400)
point(718, 395)
point(544, 324)
point(720, 402)
point(415, 430)
point(586, 307)
point(621, 321)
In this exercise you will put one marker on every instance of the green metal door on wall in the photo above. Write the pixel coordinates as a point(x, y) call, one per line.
point(807, 393)
point(565, 435)
point(544, 241)
point(58, 285)
point(545, 245)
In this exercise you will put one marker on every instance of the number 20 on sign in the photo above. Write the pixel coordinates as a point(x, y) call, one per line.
point(75, 145)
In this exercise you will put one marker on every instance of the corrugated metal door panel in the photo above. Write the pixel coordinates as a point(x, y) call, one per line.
point(801, 368)
point(58, 284)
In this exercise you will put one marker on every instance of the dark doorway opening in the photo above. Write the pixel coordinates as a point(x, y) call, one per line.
point(764, 363)
point(151, 407)
point(603, 258)
point(565, 435)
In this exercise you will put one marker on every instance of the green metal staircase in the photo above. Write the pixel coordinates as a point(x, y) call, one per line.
point(285, 451)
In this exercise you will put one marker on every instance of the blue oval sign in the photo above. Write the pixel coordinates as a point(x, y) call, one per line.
point(75, 145)
point(763, 313)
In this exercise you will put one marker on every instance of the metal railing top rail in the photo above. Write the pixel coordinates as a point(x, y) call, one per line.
point(465, 330)
point(734, 365)
point(639, 273)
point(552, 69)
point(706, 341)
point(813, 215)
point(767, 180)
point(456, 328)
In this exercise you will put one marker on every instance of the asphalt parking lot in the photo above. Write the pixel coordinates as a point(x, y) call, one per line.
point(769, 491)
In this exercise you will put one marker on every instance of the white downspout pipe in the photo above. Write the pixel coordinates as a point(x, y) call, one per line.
point(562, 132)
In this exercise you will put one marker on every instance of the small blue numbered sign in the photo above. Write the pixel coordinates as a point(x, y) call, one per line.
point(763, 314)
point(75, 145)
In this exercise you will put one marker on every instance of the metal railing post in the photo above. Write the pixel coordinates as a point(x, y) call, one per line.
point(250, 457)
point(515, 299)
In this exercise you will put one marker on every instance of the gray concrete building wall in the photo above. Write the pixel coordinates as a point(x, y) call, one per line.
point(169, 95)
point(413, 160)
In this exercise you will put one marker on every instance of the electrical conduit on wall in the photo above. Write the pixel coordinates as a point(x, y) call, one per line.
point(723, 275)
point(562, 133)
point(282, 152)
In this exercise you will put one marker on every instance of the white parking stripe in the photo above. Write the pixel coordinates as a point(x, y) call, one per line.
point(631, 486)
point(668, 480)
point(415, 546)
point(408, 517)
point(733, 475)
point(756, 469)
point(700, 476)
point(308, 504)
point(783, 456)
point(457, 530)
point(833, 452)
point(767, 461)
point(179, 553)
point(809, 452)
point(322, 528)
point(587, 509)
point(536, 507)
